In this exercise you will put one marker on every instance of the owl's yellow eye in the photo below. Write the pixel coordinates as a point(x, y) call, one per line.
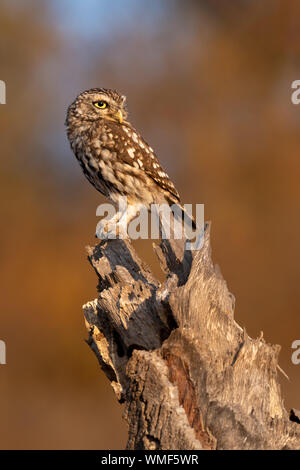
point(100, 104)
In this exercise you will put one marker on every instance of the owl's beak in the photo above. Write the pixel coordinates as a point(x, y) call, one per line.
point(119, 116)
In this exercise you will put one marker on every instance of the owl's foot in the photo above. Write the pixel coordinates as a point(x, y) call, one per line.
point(117, 226)
point(110, 230)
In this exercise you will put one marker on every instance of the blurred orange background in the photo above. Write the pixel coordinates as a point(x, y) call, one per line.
point(208, 85)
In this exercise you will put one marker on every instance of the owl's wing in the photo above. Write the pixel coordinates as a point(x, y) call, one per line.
point(135, 151)
point(163, 180)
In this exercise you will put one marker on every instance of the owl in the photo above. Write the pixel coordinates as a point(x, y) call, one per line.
point(115, 158)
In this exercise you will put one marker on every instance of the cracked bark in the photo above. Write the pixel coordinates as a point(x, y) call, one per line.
point(190, 377)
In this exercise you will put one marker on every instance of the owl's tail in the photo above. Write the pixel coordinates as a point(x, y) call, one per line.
point(175, 221)
point(182, 215)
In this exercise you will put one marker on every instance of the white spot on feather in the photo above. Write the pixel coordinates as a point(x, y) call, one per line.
point(131, 152)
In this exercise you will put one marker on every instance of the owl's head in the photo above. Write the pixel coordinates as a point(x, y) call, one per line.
point(95, 104)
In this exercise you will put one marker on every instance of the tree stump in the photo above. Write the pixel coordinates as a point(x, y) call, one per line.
point(190, 377)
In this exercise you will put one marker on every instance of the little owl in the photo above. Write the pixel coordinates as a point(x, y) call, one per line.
point(114, 157)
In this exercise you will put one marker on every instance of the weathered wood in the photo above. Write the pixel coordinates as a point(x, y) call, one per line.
point(189, 375)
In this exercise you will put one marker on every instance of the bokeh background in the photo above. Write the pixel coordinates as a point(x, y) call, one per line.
point(209, 86)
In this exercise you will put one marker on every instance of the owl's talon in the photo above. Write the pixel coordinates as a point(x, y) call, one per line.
point(111, 230)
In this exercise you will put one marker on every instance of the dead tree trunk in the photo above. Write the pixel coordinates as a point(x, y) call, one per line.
point(189, 375)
